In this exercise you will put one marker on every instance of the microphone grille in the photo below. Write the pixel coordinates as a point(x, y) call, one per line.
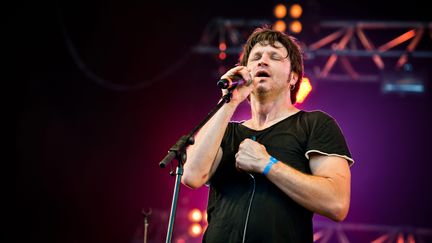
point(223, 83)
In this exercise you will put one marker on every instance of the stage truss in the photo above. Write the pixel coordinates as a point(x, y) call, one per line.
point(363, 50)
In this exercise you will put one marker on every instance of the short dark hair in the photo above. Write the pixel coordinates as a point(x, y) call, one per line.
point(265, 35)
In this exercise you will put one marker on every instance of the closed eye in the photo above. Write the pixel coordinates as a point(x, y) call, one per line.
point(256, 58)
point(276, 57)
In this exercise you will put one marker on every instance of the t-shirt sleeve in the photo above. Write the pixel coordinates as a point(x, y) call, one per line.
point(327, 138)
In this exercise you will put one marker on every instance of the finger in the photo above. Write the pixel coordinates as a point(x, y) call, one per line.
point(249, 82)
point(246, 75)
point(239, 72)
point(242, 144)
point(247, 141)
point(232, 72)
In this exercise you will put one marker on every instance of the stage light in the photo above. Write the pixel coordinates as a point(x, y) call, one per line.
point(403, 81)
point(195, 215)
point(180, 240)
point(410, 238)
point(304, 90)
point(195, 230)
point(400, 238)
point(205, 216)
point(222, 46)
point(222, 55)
point(296, 27)
point(280, 11)
point(296, 11)
point(279, 26)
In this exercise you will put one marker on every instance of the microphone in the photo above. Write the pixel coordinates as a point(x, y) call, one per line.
point(230, 83)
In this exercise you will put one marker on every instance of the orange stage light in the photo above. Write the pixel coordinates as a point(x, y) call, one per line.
point(296, 26)
point(296, 11)
point(280, 11)
point(305, 89)
point(205, 216)
point(279, 26)
point(195, 230)
point(195, 215)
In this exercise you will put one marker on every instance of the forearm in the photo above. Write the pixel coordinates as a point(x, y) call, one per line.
point(323, 195)
point(201, 155)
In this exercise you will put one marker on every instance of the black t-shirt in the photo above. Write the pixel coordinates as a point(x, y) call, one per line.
point(273, 216)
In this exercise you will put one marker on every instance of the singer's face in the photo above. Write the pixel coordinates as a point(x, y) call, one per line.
point(270, 67)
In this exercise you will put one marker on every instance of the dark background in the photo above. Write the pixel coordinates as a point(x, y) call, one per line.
point(88, 151)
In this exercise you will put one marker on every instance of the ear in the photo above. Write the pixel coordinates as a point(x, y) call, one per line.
point(293, 78)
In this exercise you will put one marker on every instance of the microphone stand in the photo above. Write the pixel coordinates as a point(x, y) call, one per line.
point(146, 215)
point(178, 152)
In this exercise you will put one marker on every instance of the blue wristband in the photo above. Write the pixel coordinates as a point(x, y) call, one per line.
point(272, 161)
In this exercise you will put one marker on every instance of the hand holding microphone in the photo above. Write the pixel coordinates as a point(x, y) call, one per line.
point(231, 82)
point(236, 76)
point(238, 81)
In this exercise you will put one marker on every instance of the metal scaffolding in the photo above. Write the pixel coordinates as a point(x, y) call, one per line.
point(325, 232)
point(363, 49)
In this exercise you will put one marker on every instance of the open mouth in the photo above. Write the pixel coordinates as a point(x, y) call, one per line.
point(262, 74)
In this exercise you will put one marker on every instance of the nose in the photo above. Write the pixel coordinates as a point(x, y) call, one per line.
point(263, 61)
point(261, 64)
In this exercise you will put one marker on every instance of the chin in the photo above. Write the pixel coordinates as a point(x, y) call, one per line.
point(261, 90)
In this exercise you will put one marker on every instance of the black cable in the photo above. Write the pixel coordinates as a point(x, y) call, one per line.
point(249, 207)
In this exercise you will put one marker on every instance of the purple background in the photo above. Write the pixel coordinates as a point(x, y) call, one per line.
point(88, 156)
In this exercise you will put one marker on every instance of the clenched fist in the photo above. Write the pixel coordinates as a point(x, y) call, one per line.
point(251, 156)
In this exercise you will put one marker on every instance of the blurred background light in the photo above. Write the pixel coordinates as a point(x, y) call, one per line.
point(195, 215)
point(280, 11)
point(304, 90)
point(296, 26)
point(279, 25)
point(195, 230)
point(296, 11)
point(404, 81)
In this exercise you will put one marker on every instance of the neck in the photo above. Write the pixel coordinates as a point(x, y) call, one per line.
point(266, 113)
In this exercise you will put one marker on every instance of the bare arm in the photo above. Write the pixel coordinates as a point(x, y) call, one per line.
point(204, 156)
point(326, 191)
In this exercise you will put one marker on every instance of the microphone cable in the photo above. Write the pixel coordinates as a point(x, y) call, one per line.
point(250, 202)
point(249, 207)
